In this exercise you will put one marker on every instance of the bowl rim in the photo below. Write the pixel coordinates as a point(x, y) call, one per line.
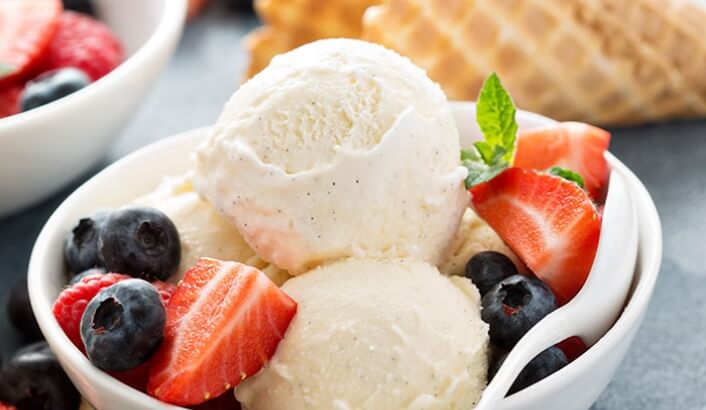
point(629, 318)
point(172, 19)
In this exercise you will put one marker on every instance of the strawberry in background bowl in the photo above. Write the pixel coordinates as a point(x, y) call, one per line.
point(69, 81)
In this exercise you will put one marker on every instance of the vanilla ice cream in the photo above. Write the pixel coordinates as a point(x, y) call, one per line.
point(376, 334)
point(339, 148)
point(202, 230)
point(473, 236)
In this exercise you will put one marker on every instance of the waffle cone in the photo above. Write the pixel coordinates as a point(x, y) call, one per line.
point(291, 23)
point(264, 43)
point(569, 59)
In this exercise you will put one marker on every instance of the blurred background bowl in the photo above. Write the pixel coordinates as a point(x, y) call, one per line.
point(575, 386)
point(43, 149)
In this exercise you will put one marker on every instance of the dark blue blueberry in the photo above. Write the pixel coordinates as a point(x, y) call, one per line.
point(33, 379)
point(513, 306)
point(123, 325)
point(140, 242)
point(51, 86)
point(20, 313)
point(81, 247)
point(83, 6)
point(548, 362)
point(88, 272)
point(240, 5)
point(485, 269)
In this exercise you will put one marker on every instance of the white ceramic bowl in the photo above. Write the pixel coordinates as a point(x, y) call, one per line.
point(574, 387)
point(43, 149)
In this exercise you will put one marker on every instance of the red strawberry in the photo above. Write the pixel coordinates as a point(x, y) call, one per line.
point(573, 347)
point(26, 28)
point(573, 145)
point(4, 406)
point(9, 99)
point(549, 222)
point(224, 323)
point(85, 43)
point(71, 303)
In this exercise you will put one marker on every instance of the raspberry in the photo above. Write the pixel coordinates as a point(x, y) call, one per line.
point(84, 43)
point(71, 303)
point(165, 289)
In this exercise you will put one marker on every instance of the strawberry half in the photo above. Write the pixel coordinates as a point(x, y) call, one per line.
point(224, 323)
point(573, 145)
point(26, 28)
point(549, 222)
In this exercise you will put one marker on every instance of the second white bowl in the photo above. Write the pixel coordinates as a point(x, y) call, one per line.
point(44, 149)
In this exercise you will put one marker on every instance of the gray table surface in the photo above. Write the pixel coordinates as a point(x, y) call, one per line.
point(666, 367)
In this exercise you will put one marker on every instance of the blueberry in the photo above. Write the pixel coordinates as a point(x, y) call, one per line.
point(140, 242)
point(81, 246)
point(546, 363)
point(513, 306)
point(88, 272)
point(83, 6)
point(33, 379)
point(19, 311)
point(485, 269)
point(123, 325)
point(240, 5)
point(51, 86)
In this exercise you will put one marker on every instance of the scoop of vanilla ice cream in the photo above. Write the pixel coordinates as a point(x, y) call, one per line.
point(202, 230)
point(339, 148)
point(376, 334)
point(473, 236)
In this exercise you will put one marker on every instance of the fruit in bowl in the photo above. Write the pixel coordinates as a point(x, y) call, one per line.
point(50, 53)
point(120, 50)
point(369, 324)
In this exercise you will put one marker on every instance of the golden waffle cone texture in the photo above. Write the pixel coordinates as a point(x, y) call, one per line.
point(291, 23)
point(601, 61)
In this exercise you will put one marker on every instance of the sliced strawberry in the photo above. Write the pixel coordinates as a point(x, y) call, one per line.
point(26, 28)
point(224, 323)
point(10, 99)
point(85, 43)
point(549, 222)
point(573, 145)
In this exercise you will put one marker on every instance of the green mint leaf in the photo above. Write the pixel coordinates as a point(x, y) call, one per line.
point(496, 117)
point(495, 114)
point(480, 172)
point(5, 70)
point(569, 175)
point(469, 155)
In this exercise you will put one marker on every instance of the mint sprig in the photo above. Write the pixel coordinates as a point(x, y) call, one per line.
point(495, 115)
point(568, 175)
